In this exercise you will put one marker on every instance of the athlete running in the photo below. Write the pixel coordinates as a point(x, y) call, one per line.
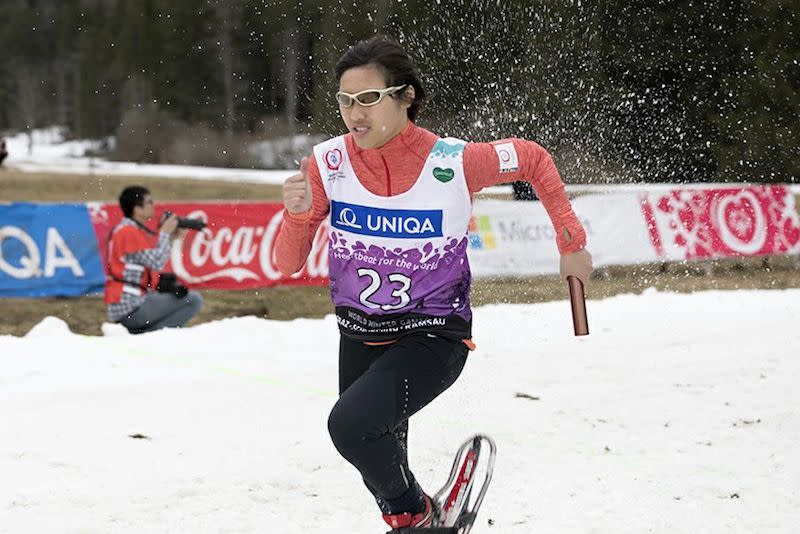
point(399, 200)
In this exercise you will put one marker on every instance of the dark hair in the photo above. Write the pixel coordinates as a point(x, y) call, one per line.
point(392, 60)
point(131, 197)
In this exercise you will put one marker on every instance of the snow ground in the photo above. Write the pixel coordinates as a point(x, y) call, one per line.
point(678, 414)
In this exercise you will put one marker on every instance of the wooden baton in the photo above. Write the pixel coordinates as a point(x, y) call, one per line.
point(578, 301)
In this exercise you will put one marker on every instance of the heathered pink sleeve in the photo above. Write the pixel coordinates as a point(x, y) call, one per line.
point(535, 166)
point(296, 234)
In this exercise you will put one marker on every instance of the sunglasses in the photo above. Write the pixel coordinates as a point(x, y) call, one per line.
point(367, 98)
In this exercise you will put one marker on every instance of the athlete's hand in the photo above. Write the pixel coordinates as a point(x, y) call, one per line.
point(578, 264)
point(297, 197)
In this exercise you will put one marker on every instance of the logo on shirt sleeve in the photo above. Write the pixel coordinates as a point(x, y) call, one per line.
point(507, 156)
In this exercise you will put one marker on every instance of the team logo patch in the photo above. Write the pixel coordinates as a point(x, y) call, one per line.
point(378, 222)
point(443, 175)
point(333, 159)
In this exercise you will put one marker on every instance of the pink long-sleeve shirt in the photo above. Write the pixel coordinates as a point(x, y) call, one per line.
point(393, 168)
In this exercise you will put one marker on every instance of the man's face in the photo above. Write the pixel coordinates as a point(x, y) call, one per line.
point(146, 211)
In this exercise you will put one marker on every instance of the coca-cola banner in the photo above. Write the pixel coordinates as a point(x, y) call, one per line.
point(234, 251)
point(687, 224)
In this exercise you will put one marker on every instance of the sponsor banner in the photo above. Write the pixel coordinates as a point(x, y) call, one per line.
point(687, 224)
point(236, 249)
point(48, 250)
point(380, 222)
point(55, 250)
point(518, 239)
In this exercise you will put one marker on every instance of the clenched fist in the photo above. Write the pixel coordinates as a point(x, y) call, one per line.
point(297, 195)
point(577, 264)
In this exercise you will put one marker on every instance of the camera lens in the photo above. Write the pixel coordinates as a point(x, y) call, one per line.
point(191, 224)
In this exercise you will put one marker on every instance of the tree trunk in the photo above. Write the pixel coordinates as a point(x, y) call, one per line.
point(225, 14)
point(291, 41)
point(27, 82)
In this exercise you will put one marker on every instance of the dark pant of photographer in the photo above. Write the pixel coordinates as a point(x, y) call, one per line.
point(162, 310)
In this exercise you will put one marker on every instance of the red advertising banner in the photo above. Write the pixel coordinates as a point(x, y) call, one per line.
point(695, 224)
point(234, 251)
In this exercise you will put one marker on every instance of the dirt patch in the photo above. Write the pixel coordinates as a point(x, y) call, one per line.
point(18, 186)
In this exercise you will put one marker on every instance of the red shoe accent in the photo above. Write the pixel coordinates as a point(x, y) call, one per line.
point(407, 519)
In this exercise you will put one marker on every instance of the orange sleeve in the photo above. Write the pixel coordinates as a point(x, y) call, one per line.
point(535, 166)
point(296, 234)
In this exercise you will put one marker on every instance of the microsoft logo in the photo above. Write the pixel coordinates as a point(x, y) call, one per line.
point(481, 235)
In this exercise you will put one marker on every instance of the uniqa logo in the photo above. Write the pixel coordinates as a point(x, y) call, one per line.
point(348, 218)
point(398, 223)
point(379, 222)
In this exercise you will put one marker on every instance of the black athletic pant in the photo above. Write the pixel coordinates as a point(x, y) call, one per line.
point(380, 387)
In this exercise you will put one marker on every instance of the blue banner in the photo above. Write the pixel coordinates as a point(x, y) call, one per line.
point(48, 250)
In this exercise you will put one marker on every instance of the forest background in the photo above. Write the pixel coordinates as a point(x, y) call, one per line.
point(670, 91)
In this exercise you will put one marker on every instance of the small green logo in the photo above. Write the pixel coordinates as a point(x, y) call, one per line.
point(443, 175)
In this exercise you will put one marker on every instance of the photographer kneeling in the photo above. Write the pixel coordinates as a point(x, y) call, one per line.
point(135, 295)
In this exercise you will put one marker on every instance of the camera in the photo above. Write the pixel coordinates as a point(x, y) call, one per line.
point(168, 283)
point(185, 222)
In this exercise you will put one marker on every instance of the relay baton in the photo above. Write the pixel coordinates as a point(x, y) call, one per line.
point(578, 301)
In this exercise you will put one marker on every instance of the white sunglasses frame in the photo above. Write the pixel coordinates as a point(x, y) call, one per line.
point(381, 92)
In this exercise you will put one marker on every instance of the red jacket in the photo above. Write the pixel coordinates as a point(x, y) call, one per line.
point(129, 239)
